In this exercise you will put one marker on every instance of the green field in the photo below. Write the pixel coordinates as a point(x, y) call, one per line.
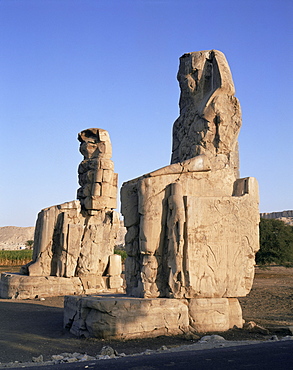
point(15, 258)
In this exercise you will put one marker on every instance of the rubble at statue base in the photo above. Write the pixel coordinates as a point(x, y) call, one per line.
point(74, 241)
point(192, 226)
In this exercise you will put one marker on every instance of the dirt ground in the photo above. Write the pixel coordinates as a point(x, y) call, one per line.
point(270, 302)
point(30, 328)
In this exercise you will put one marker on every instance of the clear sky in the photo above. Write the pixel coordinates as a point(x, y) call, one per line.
point(68, 65)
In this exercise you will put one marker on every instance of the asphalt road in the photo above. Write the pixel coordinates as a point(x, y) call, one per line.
point(268, 356)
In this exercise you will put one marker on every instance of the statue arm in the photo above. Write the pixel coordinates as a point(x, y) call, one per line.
point(199, 163)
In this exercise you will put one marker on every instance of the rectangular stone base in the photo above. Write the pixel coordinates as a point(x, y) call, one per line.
point(17, 286)
point(122, 317)
point(214, 314)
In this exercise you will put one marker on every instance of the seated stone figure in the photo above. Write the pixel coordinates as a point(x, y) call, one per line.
point(77, 238)
point(192, 226)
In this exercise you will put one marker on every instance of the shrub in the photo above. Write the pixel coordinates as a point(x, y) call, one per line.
point(121, 252)
point(29, 244)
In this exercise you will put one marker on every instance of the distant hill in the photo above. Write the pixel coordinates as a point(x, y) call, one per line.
point(13, 237)
point(285, 216)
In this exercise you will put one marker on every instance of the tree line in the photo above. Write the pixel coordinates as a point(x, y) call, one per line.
point(276, 243)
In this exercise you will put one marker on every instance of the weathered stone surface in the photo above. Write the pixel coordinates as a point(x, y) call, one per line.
point(176, 251)
point(96, 172)
point(114, 268)
point(214, 314)
point(124, 318)
point(69, 242)
point(192, 226)
point(210, 115)
point(75, 240)
point(235, 313)
point(118, 317)
point(220, 250)
point(16, 286)
point(253, 327)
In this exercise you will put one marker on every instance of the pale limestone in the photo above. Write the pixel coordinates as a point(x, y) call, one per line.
point(96, 172)
point(114, 282)
point(228, 238)
point(75, 240)
point(115, 267)
point(192, 226)
point(235, 314)
point(17, 286)
point(118, 317)
point(220, 250)
point(210, 115)
point(124, 317)
point(214, 314)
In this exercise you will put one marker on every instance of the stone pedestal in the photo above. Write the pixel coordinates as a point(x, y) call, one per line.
point(17, 286)
point(122, 317)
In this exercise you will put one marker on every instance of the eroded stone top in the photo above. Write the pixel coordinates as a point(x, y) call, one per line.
point(96, 172)
point(95, 142)
point(210, 115)
point(202, 74)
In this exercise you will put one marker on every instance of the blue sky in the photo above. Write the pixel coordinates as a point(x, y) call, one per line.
point(67, 65)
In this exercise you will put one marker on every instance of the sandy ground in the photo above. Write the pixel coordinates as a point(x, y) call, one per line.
point(32, 327)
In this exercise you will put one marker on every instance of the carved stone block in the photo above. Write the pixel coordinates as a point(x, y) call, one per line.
point(214, 314)
point(116, 317)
